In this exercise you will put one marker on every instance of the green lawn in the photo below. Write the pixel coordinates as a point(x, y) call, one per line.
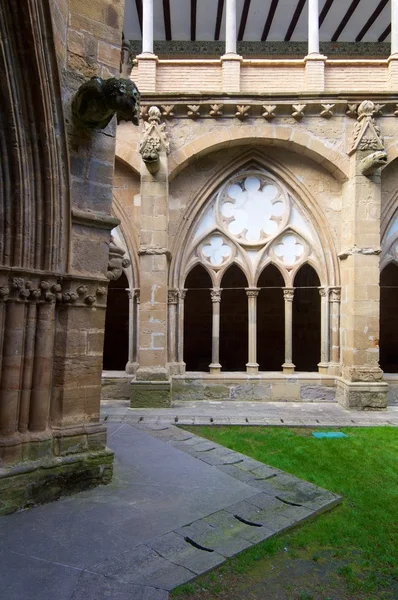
point(350, 553)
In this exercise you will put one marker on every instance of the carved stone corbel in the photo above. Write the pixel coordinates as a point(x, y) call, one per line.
point(116, 262)
point(97, 100)
point(154, 140)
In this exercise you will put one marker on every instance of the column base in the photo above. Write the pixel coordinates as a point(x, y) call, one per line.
point(361, 395)
point(36, 482)
point(252, 368)
point(150, 394)
point(288, 368)
point(323, 368)
point(215, 368)
point(131, 368)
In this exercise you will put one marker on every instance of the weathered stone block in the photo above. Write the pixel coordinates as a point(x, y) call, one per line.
point(116, 388)
point(29, 484)
point(251, 391)
point(317, 393)
point(362, 396)
point(156, 394)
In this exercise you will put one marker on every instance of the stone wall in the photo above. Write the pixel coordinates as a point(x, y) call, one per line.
point(306, 146)
point(54, 262)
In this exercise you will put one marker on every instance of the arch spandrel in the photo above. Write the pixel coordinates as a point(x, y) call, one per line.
point(300, 217)
point(280, 136)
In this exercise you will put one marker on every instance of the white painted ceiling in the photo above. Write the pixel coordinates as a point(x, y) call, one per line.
point(206, 18)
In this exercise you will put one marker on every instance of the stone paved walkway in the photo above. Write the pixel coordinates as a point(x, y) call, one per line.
point(304, 414)
point(178, 506)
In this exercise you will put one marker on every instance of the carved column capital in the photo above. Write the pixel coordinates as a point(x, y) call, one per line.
point(172, 296)
point(323, 292)
point(335, 294)
point(182, 293)
point(288, 294)
point(252, 292)
point(216, 294)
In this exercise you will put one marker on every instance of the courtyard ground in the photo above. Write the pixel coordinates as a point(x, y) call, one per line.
point(350, 553)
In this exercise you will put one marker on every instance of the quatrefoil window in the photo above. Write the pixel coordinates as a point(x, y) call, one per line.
point(216, 251)
point(289, 250)
point(252, 209)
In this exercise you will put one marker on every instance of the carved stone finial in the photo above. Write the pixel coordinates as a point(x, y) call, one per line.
point(97, 100)
point(116, 262)
point(154, 139)
point(366, 136)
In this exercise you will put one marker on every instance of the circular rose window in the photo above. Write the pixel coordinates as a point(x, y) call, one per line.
point(252, 209)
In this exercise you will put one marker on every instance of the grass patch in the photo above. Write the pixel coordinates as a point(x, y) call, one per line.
point(361, 535)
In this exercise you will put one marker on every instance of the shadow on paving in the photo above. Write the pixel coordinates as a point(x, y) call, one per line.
point(178, 507)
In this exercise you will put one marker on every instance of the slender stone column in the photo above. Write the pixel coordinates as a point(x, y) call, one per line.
point(288, 295)
point(13, 346)
point(252, 365)
point(313, 27)
point(42, 367)
point(147, 27)
point(324, 364)
point(394, 27)
point(215, 367)
point(180, 334)
point(132, 364)
point(334, 299)
point(172, 300)
point(27, 366)
point(230, 32)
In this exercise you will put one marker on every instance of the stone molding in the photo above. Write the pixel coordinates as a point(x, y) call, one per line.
point(153, 251)
point(90, 218)
point(85, 292)
point(357, 250)
point(226, 108)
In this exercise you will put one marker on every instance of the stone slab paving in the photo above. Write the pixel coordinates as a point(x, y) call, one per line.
point(301, 414)
point(178, 506)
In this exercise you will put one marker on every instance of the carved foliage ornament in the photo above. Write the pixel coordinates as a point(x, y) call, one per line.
point(154, 140)
point(21, 290)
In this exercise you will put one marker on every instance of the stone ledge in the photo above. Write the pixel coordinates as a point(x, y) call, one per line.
point(29, 484)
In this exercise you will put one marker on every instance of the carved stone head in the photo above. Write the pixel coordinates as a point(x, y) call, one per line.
point(123, 97)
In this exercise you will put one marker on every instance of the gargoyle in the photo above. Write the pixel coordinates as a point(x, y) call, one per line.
point(97, 100)
point(116, 262)
point(371, 163)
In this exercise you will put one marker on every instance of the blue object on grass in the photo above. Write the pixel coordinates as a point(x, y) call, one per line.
point(329, 434)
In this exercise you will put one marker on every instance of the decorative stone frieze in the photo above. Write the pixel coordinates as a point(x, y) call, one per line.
point(327, 111)
point(193, 111)
point(216, 110)
point(168, 111)
point(242, 111)
point(352, 111)
point(298, 111)
point(269, 113)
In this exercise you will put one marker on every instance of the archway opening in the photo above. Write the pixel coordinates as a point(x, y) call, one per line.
point(270, 320)
point(389, 319)
point(234, 320)
point(306, 320)
point(197, 320)
point(116, 343)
